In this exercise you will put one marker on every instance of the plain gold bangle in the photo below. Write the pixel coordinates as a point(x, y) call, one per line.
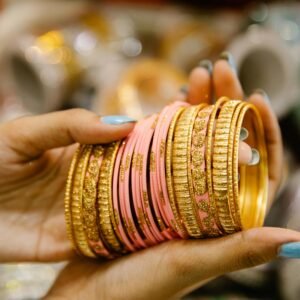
point(68, 198)
point(251, 194)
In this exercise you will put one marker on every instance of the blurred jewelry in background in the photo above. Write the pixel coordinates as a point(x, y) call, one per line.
point(267, 54)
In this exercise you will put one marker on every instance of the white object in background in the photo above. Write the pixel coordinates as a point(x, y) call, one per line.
point(264, 60)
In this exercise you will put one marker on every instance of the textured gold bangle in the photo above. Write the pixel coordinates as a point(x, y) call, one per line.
point(220, 166)
point(76, 207)
point(208, 160)
point(89, 196)
point(180, 166)
point(233, 148)
point(107, 222)
point(169, 175)
point(197, 126)
point(68, 197)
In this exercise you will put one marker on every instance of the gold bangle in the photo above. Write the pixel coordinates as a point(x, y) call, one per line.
point(76, 207)
point(251, 201)
point(169, 175)
point(208, 160)
point(68, 199)
point(180, 166)
point(221, 159)
point(233, 148)
point(196, 126)
point(107, 222)
point(89, 196)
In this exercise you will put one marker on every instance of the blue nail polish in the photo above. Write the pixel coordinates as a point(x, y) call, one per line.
point(290, 250)
point(206, 64)
point(229, 58)
point(263, 94)
point(117, 120)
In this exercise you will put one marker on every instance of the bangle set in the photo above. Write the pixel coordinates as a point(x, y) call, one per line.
point(176, 176)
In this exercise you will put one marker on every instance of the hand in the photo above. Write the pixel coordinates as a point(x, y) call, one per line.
point(34, 158)
point(173, 269)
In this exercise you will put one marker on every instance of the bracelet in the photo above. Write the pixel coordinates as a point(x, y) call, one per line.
point(221, 159)
point(76, 206)
point(89, 196)
point(206, 217)
point(107, 222)
point(180, 164)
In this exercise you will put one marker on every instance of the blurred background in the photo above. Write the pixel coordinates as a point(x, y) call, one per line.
point(130, 57)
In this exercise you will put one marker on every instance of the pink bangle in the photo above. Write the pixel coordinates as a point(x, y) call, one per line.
point(136, 173)
point(208, 224)
point(147, 202)
point(120, 230)
point(163, 128)
point(124, 188)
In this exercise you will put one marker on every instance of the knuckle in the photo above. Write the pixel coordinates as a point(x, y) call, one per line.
point(76, 112)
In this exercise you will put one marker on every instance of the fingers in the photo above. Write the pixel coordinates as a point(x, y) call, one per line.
point(172, 268)
point(200, 84)
point(273, 140)
point(178, 265)
point(225, 81)
point(31, 136)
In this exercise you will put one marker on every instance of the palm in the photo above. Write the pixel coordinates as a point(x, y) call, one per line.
point(31, 214)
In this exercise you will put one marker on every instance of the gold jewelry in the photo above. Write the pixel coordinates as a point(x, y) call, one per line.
point(89, 195)
point(68, 198)
point(180, 164)
point(208, 160)
point(253, 196)
point(76, 207)
point(220, 166)
point(169, 175)
point(107, 220)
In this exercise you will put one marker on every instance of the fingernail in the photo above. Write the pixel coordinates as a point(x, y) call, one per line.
point(117, 120)
point(207, 65)
point(263, 94)
point(244, 134)
point(255, 158)
point(290, 250)
point(184, 89)
point(229, 58)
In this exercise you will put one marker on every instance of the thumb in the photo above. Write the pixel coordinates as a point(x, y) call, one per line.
point(178, 266)
point(31, 136)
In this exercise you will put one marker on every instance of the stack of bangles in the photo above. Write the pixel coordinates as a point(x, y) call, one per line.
point(176, 176)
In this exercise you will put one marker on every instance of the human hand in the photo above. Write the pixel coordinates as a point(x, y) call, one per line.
point(35, 153)
point(173, 269)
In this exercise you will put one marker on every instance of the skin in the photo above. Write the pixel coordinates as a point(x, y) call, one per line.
point(35, 154)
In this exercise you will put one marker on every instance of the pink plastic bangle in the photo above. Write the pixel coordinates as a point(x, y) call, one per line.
point(120, 230)
point(124, 188)
point(147, 202)
point(168, 114)
point(201, 196)
point(136, 172)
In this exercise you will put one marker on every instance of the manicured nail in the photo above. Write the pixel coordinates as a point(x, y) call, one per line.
point(207, 65)
point(263, 94)
point(184, 89)
point(244, 134)
point(290, 250)
point(229, 58)
point(117, 120)
point(255, 158)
